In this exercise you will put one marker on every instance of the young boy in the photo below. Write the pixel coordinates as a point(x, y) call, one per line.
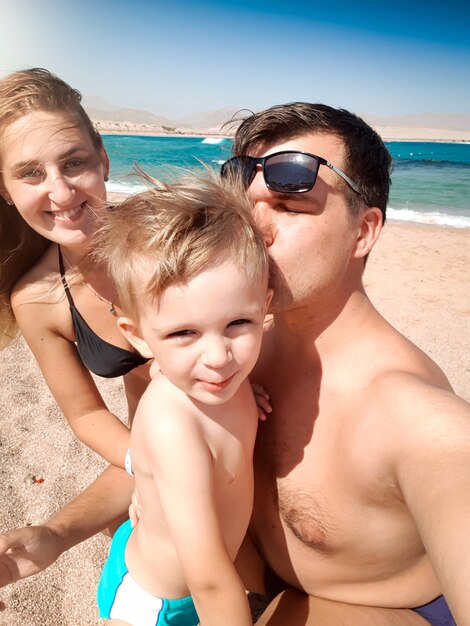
point(191, 272)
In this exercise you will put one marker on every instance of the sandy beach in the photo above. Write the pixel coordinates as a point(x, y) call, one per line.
point(388, 133)
point(417, 276)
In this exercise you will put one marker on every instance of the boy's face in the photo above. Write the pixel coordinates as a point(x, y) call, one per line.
point(206, 334)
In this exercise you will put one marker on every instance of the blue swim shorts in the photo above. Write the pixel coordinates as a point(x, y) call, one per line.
point(436, 612)
point(120, 597)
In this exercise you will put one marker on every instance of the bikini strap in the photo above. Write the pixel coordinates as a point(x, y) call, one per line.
point(62, 276)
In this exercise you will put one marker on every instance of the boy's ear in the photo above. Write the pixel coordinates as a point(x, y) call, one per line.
point(132, 334)
point(269, 297)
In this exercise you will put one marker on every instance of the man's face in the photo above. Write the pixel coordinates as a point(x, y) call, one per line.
point(311, 236)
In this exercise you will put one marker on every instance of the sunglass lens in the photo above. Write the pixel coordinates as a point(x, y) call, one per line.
point(290, 172)
point(239, 166)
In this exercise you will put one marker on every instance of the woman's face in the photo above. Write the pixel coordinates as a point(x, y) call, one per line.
point(54, 174)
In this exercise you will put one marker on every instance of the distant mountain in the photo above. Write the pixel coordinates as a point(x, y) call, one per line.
point(96, 102)
point(211, 119)
point(102, 111)
point(134, 116)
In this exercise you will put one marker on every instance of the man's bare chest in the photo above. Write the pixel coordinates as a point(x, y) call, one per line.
point(318, 472)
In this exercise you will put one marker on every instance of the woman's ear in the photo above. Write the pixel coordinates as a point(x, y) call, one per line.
point(105, 160)
point(132, 333)
point(4, 193)
point(371, 222)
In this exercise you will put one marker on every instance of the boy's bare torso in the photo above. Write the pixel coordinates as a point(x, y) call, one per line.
point(218, 440)
point(329, 516)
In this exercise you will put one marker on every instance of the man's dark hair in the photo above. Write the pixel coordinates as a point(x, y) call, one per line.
point(367, 160)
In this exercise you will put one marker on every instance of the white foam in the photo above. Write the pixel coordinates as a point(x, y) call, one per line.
point(119, 187)
point(214, 140)
point(438, 219)
point(405, 215)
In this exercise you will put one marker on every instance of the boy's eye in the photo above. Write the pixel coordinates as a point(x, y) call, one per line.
point(181, 333)
point(240, 322)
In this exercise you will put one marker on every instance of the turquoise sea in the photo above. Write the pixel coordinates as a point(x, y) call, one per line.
point(430, 180)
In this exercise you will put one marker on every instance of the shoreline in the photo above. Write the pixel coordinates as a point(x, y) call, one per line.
point(201, 135)
point(119, 196)
point(388, 134)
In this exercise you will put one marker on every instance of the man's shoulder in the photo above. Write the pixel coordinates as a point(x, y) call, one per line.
point(414, 409)
point(382, 354)
point(392, 381)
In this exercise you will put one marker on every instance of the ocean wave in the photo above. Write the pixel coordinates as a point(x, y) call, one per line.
point(438, 219)
point(215, 140)
point(406, 161)
point(119, 187)
point(406, 215)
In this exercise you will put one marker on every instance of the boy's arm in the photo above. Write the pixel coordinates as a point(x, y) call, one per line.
point(183, 471)
point(27, 551)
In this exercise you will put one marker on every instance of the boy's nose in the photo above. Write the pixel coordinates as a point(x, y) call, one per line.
point(216, 354)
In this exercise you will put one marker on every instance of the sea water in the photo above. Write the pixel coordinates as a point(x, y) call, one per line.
point(164, 158)
point(430, 180)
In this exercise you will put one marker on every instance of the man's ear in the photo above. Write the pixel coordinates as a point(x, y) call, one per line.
point(371, 222)
point(132, 334)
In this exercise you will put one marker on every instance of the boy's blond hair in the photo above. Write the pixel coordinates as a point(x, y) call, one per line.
point(173, 232)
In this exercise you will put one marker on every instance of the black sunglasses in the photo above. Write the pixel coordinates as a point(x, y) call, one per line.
point(288, 171)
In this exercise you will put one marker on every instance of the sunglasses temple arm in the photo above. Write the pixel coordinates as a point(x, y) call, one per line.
point(344, 177)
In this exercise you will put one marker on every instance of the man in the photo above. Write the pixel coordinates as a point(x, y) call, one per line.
point(363, 468)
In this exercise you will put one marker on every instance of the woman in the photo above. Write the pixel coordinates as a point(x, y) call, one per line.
point(53, 168)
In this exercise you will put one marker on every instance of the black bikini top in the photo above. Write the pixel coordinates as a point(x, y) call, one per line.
point(99, 356)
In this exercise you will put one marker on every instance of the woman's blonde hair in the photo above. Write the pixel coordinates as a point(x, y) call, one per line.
point(174, 232)
point(21, 93)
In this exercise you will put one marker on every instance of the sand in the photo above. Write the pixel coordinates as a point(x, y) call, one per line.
point(401, 133)
point(417, 276)
point(388, 133)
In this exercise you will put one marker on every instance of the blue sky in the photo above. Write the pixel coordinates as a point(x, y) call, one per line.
point(180, 56)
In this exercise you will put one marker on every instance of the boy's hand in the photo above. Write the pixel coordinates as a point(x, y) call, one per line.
point(262, 400)
point(134, 509)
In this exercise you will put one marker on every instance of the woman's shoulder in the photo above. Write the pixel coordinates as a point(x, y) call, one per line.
point(41, 283)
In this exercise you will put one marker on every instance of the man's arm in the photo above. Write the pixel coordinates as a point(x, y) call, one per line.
point(433, 471)
point(27, 551)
